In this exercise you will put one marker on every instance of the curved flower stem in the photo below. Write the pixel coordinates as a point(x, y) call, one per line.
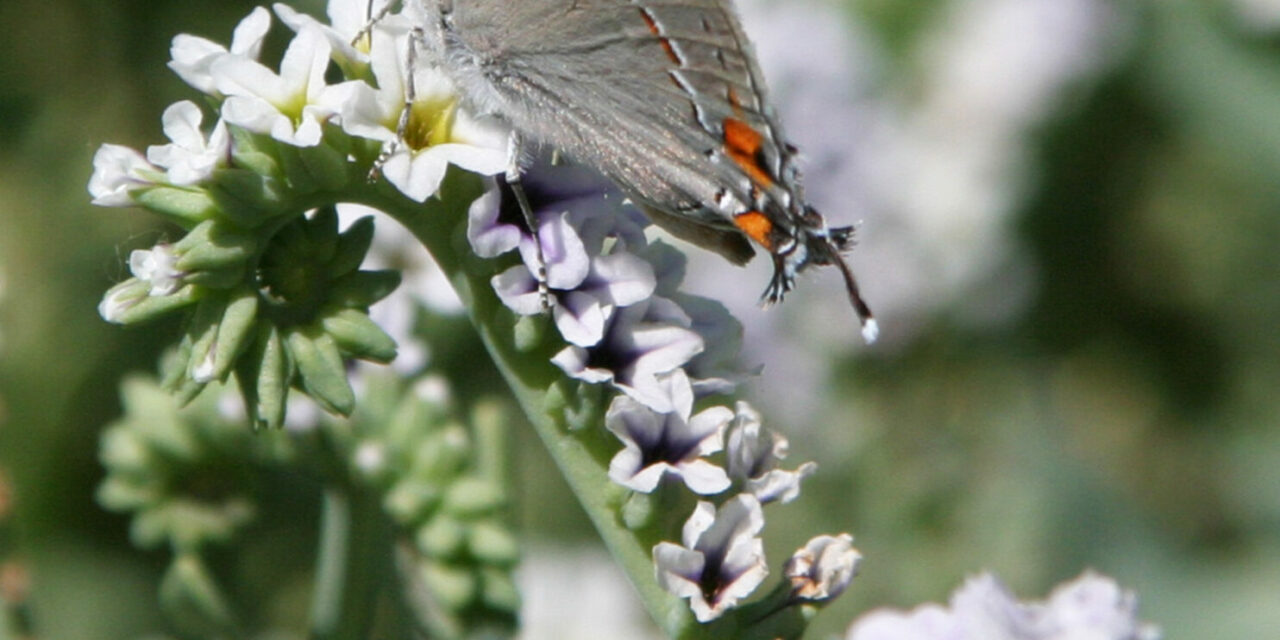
point(350, 562)
point(583, 456)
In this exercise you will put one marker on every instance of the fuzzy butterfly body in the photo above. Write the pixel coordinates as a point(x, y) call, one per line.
point(662, 96)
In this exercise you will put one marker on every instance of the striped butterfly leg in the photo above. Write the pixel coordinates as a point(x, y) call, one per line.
point(512, 178)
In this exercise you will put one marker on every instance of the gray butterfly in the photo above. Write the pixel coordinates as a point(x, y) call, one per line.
point(662, 96)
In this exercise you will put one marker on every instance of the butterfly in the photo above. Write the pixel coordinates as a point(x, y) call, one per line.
point(665, 98)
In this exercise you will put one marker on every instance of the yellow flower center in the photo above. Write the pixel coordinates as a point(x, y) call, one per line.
point(430, 122)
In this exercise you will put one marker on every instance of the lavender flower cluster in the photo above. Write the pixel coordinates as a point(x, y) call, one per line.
point(615, 300)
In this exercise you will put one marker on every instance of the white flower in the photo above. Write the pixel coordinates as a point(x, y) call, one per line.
point(1092, 607)
point(754, 454)
point(438, 133)
point(823, 567)
point(722, 560)
point(658, 445)
point(117, 172)
point(192, 56)
point(158, 267)
point(346, 19)
point(289, 106)
point(190, 158)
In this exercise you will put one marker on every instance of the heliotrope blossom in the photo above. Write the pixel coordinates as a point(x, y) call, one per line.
point(117, 172)
point(641, 343)
point(158, 267)
point(191, 157)
point(346, 19)
point(577, 213)
point(721, 560)
point(671, 444)
point(437, 132)
point(754, 453)
point(823, 568)
point(193, 56)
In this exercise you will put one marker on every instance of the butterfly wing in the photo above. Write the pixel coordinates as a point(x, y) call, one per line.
point(665, 99)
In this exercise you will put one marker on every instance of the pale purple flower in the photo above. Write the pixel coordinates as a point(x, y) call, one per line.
point(669, 266)
point(190, 157)
point(493, 225)
point(754, 454)
point(823, 567)
point(592, 250)
point(287, 105)
point(1091, 607)
point(717, 370)
point(496, 225)
point(642, 342)
point(659, 445)
point(587, 290)
point(438, 133)
point(193, 56)
point(566, 263)
point(721, 560)
point(118, 171)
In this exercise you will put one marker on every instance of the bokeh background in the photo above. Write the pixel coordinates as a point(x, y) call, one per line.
point(1069, 229)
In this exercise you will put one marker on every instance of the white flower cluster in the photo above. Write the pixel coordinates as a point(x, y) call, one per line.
point(294, 105)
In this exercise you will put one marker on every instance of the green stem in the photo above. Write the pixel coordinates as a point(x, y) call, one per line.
point(350, 563)
point(583, 456)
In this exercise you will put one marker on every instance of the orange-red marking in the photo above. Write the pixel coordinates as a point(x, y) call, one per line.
point(757, 227)
point(666, 44)
point(742, 144)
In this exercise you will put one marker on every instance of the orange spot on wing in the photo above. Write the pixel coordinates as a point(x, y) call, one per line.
point(743, 144)
point(757, 227)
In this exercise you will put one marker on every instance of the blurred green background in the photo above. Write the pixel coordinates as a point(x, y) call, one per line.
point(1124, 417)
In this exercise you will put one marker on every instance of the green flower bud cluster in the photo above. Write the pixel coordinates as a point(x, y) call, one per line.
point(280, 309)
point(180, 472)
point(442, 486)
point(186, 477)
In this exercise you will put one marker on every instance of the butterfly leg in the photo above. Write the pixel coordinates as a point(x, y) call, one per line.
point(410, 95)
point(371, 19)
point(512, 178)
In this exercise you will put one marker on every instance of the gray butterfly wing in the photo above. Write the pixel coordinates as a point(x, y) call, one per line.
point(641, 91)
